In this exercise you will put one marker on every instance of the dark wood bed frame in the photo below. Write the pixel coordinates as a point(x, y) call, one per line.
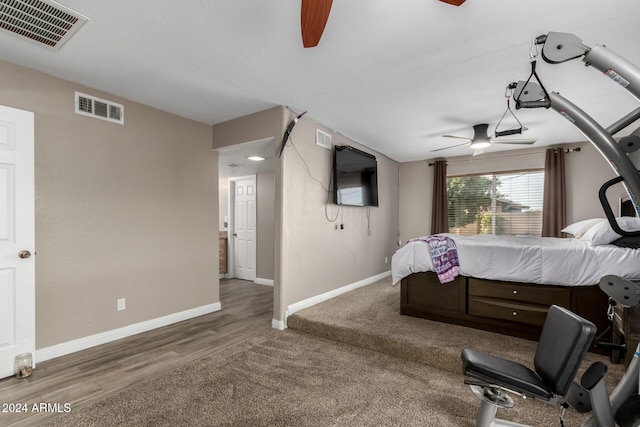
point(516, 309)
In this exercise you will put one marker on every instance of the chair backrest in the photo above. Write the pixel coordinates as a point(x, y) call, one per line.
point(563, 343)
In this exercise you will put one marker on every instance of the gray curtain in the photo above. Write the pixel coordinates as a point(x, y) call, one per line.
point(554, 205)
point(439, 211)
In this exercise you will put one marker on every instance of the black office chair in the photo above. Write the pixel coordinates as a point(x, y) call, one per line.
point(564, 341)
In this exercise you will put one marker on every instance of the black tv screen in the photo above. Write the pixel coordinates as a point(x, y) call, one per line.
point(355, 177)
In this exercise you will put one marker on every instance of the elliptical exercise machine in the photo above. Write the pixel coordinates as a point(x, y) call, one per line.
point(557, 362)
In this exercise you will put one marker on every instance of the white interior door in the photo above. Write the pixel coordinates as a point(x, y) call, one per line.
point(244, 234)
point(17, 237)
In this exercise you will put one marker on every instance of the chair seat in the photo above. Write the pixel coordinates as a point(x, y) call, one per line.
point(505, 373)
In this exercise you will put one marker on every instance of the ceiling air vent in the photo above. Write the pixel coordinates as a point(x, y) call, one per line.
point(42, 21)
point(88, 105)
point(323, 139)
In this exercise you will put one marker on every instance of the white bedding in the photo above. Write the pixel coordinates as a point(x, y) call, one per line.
point(541, 260)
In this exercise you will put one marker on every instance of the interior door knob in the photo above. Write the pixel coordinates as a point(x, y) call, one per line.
point(24, 254)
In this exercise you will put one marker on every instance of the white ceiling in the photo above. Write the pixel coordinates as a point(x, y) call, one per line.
point(234, 161)
point(391, 75)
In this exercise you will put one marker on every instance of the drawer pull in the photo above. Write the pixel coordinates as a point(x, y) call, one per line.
point(515, 313)
point(515, 292)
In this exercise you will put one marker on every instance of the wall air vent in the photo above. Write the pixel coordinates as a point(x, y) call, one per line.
point(42, 21)
point(323, 139)
point(88, 105)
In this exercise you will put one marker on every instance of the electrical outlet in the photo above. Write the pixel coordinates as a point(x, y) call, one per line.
point(386, 260)
point(122, 304)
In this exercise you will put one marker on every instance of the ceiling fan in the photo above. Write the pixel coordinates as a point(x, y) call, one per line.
point(481, 139)
point(315, 13)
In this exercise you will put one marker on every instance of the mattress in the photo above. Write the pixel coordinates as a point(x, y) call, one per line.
point(539, 260)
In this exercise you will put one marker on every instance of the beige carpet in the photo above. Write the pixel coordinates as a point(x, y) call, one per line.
point(401, 371)
point(289, 379)
point(368, 317)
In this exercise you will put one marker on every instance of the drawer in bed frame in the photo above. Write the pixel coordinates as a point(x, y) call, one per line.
point(516, 309)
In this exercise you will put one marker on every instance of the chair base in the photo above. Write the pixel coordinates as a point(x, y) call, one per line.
point(494, 395)
point(491, 399)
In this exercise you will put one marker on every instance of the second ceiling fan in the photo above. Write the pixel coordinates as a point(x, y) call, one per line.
point(315, 13)
point(481, 140)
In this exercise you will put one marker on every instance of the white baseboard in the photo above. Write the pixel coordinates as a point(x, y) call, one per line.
point(309, 302)
point(126, 331)
point(278, 324)
point(266, 282)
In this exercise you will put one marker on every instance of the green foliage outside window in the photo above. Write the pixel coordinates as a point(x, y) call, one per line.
point(468, 197)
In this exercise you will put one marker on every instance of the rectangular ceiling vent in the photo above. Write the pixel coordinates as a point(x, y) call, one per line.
point(42, 21)
point(323, 139)
point(88, 105)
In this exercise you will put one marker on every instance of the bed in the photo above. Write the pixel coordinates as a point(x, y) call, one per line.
point(506, 284)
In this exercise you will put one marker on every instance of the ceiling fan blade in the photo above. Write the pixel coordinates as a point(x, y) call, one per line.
point(453, 2)
point(451, 146)
point(313, 18)
point(514, 141)
point(457, 137)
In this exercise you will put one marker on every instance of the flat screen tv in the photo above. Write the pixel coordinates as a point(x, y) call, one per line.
point(355, 177)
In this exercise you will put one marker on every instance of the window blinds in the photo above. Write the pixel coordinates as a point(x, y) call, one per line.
point(496, 203)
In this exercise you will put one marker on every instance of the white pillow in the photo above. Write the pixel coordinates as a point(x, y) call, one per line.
point(603, 234)
point(578, 229)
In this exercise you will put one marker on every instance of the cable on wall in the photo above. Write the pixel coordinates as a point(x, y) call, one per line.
point(325, 188)
point(368, 211)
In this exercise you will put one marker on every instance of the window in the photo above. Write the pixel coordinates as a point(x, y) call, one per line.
point(497, 203)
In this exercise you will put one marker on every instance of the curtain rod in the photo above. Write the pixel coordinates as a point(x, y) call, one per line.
point(568, 150)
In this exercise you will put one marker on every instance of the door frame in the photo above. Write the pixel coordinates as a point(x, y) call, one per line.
point(231, 258)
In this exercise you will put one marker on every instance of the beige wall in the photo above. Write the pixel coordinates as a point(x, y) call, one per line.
point(223, 203)
point(121, 211)
point(586, 171)
point(253, 127)
point(265, 228)
point(318, 256)
point(415, 198)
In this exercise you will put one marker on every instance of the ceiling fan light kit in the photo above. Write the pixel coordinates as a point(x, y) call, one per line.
point(481, 140)
point(479, 144)
point(480, 137)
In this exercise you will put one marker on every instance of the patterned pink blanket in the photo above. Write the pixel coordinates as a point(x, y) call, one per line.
point(444, 255)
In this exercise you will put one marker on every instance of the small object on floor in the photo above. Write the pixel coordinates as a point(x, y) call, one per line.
point(24, 365)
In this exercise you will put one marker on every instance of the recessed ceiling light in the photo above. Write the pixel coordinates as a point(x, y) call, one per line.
point(256, 158)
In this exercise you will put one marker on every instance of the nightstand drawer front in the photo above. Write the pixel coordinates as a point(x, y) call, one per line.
point(507, 310)
point(520, 293)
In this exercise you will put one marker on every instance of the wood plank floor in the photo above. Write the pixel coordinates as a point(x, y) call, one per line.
point(85, 377)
